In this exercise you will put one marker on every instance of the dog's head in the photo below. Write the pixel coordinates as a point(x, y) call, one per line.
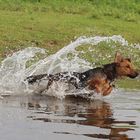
point(124, 66)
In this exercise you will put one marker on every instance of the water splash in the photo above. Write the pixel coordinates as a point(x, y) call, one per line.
point(14, 70)
point(59, 61)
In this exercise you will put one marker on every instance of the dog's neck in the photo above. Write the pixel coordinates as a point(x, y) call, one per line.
point(110, 71)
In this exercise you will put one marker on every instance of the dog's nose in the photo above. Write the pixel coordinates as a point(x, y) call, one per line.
point(133, 75)
point(136, 74)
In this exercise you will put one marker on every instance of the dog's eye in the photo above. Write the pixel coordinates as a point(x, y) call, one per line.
point(128, 66)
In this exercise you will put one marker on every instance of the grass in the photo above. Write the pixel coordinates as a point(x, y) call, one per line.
point(52, 24)
point(129, 84)
point(56, 30)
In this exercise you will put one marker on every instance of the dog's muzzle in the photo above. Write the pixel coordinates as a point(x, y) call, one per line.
point(133, 75)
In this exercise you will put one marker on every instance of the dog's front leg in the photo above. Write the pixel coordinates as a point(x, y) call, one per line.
point(107, 91)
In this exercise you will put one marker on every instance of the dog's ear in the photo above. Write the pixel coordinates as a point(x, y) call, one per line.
point(118, 57)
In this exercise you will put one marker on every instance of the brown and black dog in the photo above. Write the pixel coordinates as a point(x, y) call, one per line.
point(98, 79)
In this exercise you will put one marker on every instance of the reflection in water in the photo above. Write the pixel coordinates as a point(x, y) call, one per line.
point(79, 111)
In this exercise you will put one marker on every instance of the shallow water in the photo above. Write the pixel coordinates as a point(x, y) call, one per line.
point(116, 117)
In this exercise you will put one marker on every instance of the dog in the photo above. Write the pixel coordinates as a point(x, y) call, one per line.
point(99, 79)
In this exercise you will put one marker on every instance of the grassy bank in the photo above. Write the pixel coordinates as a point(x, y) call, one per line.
point(52, 24)
point(128, 83)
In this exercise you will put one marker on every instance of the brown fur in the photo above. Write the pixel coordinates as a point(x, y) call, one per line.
point(100, 85)
point(125, 67)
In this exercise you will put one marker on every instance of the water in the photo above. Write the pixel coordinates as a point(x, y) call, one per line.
point(45, 117)
point(57, 114)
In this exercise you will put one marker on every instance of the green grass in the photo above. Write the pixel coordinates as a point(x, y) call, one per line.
point(129, 83)
point(56, 30)
point(31, 20)
point(52, 24)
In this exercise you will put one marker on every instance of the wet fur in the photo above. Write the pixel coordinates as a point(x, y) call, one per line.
point(99, 79)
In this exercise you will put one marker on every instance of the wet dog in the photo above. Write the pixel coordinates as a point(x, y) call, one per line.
point(99, 79)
